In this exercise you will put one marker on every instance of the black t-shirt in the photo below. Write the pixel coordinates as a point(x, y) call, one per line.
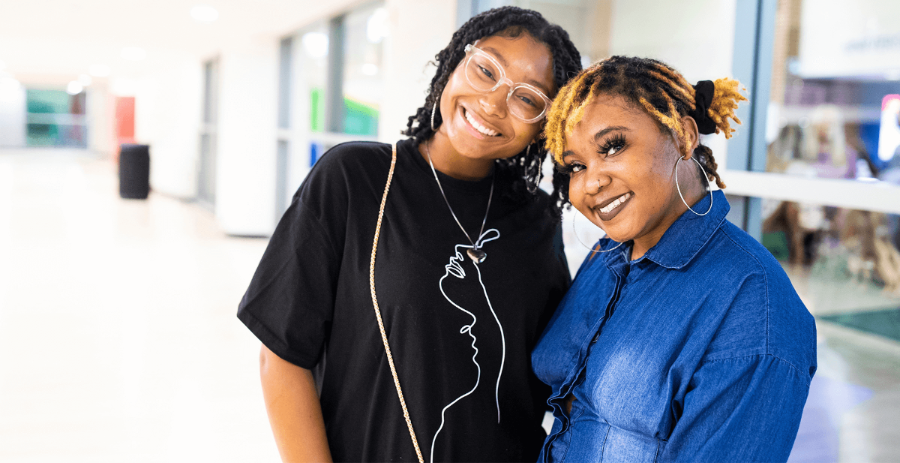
point(461, 336)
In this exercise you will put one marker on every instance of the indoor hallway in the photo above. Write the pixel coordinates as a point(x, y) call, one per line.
point(118, 335)
point(119, 341)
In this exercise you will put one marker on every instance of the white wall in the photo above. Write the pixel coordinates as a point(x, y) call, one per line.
point(245, 161)
point(167, 117)
point(847, 39)
point(101, 119)
point(12, 112)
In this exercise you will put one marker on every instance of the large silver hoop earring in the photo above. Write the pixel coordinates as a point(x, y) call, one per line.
point(574, 232)
point(433, 109)
point(708, 186)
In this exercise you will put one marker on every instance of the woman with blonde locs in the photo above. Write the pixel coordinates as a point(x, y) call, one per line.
point(404, 289)
point(681, 338)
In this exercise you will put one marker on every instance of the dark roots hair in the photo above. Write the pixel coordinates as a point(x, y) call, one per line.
point(519, 175)
point(647, 84)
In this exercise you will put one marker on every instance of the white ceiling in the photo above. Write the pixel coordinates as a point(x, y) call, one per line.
point(55, 40)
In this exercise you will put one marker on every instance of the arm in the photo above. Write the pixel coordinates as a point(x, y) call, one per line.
point(294, 410)
point(739, 409)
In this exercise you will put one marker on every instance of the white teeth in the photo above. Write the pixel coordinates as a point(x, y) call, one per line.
point(609, 208)
point(482, 129)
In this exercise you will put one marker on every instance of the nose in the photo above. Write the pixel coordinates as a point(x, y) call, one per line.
point(596, 180)
point(494, 102)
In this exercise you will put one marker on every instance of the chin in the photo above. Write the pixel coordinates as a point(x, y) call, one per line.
point(476, 151)
point(619, 239)
point(617, 235)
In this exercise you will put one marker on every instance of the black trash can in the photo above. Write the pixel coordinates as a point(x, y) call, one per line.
point(134, 171)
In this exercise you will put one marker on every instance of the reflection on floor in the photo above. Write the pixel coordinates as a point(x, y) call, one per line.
point(854, 399)
point(118, 336)
point(881, 322)
point(118, 340)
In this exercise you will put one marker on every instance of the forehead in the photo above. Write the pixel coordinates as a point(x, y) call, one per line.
point(524, 59)
point(604, 111)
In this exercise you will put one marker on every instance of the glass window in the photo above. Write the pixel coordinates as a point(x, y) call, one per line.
point(55, 118)
point(338, 78)
point(836, 73)
point(364, 33)
point(206, 185)
point(833, 114)
point(312, 70)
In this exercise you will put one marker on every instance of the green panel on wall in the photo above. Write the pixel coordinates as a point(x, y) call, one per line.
point(55, 119)
point(360, 119)
point(48, 101)
point(317, 110)
point(43, 135)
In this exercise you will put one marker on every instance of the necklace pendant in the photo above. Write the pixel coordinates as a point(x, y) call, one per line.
point(477, 255)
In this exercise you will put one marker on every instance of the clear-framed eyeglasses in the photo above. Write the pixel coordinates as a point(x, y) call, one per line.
point(485, 74)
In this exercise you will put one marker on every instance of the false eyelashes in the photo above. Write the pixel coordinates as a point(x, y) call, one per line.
point(612, 145)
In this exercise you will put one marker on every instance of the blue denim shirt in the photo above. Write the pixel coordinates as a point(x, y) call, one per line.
point(698, 351)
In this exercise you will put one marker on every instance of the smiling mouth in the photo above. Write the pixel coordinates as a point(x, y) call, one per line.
point(480, 128)
point(616, 203)
point(612, 208)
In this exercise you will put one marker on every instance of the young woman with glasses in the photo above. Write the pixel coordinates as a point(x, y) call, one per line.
point(418, 347)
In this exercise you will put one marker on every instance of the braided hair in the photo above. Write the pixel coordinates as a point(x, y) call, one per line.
point(519, 175)
point(658, 89)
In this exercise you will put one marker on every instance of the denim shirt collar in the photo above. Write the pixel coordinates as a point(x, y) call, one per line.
point(685, 237)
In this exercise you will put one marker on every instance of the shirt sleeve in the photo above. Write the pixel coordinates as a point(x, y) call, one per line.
point(289, 304)
point(739, 409)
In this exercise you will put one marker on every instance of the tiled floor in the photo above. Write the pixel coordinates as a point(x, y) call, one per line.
point(118, 340)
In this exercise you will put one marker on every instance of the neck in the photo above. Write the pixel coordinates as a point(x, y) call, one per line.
point(693, 187)
point(450, 162)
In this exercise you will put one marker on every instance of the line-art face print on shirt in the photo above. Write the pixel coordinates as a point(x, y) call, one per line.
point(455, 268)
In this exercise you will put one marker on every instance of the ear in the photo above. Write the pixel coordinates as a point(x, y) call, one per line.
point(691, 136)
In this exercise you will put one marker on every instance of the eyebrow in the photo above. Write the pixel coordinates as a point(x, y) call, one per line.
point(602, 133)
point(598, 136)
point(505, 64)
point(497, 55)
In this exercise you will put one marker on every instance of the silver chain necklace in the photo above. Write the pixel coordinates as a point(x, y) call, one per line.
point(475, 253)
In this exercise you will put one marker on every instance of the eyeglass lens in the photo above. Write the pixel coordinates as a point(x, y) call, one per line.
point(483, 74)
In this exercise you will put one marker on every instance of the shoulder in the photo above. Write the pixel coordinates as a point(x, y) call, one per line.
point(538, 208)
point(352, 156)
point(346, 164)
point(349, 173)
point(740, 258)
point(765, 314)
